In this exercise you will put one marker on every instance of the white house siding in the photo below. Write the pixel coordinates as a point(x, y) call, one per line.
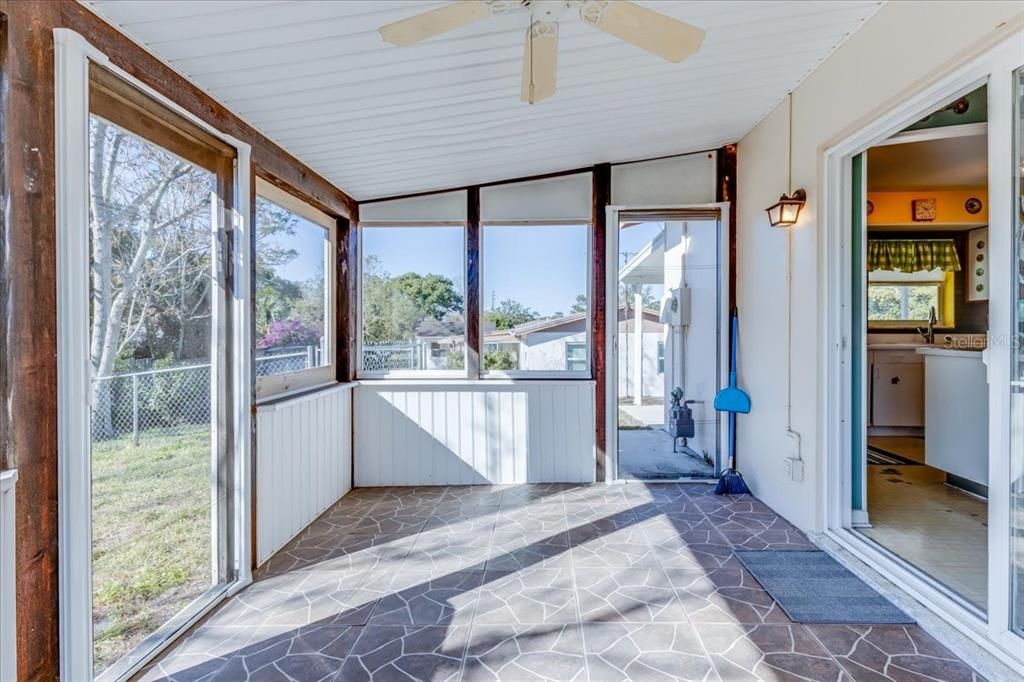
point(897, 51)
point(546, 350)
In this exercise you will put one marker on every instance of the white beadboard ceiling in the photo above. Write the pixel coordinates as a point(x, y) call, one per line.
point(379, 120)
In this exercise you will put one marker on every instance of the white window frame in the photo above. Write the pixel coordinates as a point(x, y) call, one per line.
point(586, 349)
point(361, 371)
point(288, 383)
point(611, 398)
point(882, 278)
point(989, 631)
point(588, 320)
point(72, 56)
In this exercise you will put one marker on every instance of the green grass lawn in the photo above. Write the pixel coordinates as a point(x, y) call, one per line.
point(151, 534)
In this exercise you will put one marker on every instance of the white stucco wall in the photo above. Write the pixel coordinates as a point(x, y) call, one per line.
point(546, 350)
point(898, 51)
point(654, 381)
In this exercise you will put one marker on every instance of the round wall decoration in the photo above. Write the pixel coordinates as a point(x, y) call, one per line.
point(870, 207)
point(973, 205)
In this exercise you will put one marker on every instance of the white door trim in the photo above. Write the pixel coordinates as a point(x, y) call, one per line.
point(835, 279)
point(73, 53)
point(611, 455)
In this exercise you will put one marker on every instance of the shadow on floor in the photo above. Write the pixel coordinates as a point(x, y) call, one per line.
point(539, 582)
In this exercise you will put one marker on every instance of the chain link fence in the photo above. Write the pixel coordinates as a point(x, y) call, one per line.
point(161, 402)
point(388, 356)
point(150, 402)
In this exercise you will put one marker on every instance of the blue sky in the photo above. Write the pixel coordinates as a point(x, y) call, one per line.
point(308, 241)
point(542, 266)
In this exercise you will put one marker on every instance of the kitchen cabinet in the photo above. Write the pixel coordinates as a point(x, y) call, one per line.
point(897, 388)
point(956, 437)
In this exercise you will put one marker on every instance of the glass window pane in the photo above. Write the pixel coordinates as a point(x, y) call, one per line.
point(1017, 381)
point(152, 339)
point(413, 298)
point(534, 296)
point(902, 302)
point(291, 295)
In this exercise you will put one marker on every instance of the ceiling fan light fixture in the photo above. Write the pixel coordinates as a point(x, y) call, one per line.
point(786, 211)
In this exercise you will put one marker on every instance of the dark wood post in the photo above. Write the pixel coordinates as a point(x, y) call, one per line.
point(474, 356)
point(28, 306)
point(725, 190)
point(346, 304)
point(602, 176)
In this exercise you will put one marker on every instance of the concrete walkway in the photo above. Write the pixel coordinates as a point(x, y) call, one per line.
point(646, 454)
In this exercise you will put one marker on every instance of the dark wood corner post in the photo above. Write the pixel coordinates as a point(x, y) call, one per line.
point(474, 357)
point(28, 333)
point(602, 186)
point(346, 304)
point(725, 190)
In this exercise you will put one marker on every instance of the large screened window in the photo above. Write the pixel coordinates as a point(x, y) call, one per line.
point(294, 285)
point(412, 299)
point(535, 298)
point(159, 510)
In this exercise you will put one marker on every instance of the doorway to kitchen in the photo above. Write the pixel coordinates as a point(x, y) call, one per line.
point(666, 332)
point(922, 316)
point(925, 283)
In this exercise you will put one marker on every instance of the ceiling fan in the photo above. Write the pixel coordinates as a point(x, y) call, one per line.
point(662, 35)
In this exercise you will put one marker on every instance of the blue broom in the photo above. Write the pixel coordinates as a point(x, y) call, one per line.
point(732, 400)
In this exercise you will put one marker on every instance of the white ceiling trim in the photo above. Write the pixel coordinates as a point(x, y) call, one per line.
point(377, 120)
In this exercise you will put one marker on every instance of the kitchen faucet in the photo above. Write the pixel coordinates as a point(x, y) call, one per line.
point(929, 334)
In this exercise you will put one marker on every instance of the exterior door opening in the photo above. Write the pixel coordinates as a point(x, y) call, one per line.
point(668, 333)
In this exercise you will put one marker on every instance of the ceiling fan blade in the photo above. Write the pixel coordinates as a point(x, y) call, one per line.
point(657, 33)
point(436, 21)
point(540, 61)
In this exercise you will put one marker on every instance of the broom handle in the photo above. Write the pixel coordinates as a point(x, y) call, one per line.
point(732, 441)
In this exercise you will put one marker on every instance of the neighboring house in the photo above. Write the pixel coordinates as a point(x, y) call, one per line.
point(561, 343)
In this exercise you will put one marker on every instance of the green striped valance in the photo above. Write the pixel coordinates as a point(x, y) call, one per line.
point(912, 255)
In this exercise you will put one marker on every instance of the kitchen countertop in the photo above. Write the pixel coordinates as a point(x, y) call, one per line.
point(949, 352)
point(895, 346)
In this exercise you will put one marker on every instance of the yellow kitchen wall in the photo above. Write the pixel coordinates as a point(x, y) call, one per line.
point(901, 49)
point(896, 208)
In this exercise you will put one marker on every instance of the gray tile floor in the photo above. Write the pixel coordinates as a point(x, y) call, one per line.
point(535, 582)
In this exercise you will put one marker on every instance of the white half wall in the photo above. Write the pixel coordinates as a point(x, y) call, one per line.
point(8, 568)
point(900, 50)
point(303, 463)
point(474, 432)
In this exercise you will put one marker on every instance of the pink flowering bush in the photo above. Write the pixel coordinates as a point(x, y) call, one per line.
point(288, 333)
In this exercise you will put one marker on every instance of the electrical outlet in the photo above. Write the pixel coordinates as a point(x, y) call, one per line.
point(794, 469)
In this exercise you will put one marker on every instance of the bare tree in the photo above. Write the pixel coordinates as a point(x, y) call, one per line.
point(151, 244)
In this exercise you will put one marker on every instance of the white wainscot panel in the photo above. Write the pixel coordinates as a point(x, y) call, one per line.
point(303, 463)
point(8, 634)
point(462, 433)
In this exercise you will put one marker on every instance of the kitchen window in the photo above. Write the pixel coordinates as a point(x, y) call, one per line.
point(897, 299)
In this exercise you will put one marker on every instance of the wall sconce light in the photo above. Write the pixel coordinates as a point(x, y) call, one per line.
point(786, 212)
